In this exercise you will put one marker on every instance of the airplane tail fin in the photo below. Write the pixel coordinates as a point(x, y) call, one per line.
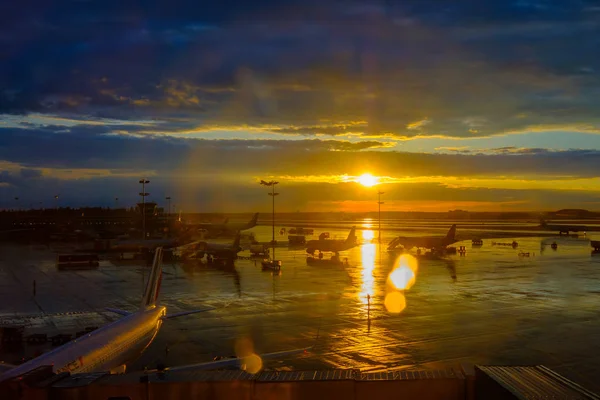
point(392, 244)
point(253, 221)
point(154, 280)
point(451, 233)
point(351, 236)
point(236, 241)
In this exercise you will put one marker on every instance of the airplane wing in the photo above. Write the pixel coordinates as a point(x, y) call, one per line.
point(117, 311)
point(191, 244)
point(402, 241)
point(234, 362)
point(181, 314)
point(5, 367)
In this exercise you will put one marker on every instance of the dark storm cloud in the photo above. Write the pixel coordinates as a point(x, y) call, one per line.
point(469, 68)
point(508, 150)
point(96, 147)
point(29, 173)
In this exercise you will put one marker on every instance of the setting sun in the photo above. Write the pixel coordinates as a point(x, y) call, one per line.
point(367, 180)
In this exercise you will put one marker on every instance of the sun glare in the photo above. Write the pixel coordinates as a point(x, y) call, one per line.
point(367, 180)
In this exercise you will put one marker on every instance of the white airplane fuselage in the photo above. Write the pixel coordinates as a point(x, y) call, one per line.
point(220, 251)
point(136, 245)
point(425, 242)
point(328, 245)
point(105, 349)
point(227, 227)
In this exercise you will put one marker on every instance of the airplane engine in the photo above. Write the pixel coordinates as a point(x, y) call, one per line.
point(121, 369)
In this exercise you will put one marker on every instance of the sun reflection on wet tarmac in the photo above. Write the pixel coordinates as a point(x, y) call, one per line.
point(368, 235)
point(367, 252)
point(502, 309)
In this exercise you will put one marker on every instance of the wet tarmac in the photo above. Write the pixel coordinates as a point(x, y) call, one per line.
point(488, 306)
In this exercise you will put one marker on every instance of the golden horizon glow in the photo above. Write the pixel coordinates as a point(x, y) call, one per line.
point(367, 180)
point(457, 182)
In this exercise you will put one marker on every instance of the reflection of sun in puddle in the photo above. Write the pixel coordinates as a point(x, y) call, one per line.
point(367, 252)
point(402, 278)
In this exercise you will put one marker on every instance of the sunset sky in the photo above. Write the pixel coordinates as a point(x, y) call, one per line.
point(478, 105)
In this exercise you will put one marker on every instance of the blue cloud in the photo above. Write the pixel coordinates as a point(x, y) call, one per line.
point(366, 71)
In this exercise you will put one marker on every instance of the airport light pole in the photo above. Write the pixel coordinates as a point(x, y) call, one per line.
point(56, 198)
point(272, 194)
point(144, 194)
point(116, 203)
point(17, 203)
point(175, 208)
point(379, 203)
point(168, 199)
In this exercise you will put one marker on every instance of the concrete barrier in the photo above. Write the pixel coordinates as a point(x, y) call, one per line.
point(422, 385)
point(299, 385)
point(205, 385)
point(489, 382)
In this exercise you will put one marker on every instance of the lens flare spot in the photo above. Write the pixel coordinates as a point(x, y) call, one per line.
point(368, 235)
point(395, 302)
point(404, 275)
point(402, 278)
point(252, 363)
point(410, 261)
point(244, 347)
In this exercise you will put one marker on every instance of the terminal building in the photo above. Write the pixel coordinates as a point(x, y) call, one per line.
point(103, 221)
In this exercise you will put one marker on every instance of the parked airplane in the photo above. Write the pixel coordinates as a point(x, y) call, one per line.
point(182, 238)
point(426, 242)
point(228, 228)
point(220, 250)
point(113, 346)
point(128, 245)
point(332, 245)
